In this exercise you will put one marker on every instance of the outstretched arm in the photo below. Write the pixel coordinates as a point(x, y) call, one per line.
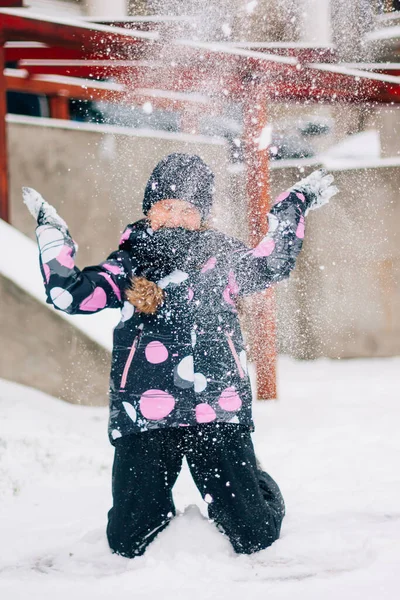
point(68, 288)
point(275, 256)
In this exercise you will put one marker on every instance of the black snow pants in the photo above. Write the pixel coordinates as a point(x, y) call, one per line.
point(244, 502)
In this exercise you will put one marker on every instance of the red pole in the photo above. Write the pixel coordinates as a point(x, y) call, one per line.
point(189, 121)
point(59, 107)
point(262, 306)
point(4, 207)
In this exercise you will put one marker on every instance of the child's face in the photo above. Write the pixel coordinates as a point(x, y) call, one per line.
point(174, 213)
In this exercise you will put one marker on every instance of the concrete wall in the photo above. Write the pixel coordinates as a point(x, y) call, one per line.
point(42, 350)
point(350, 22)
point(386, 119)
point(106, 8)
point(346, 285)
point(58, 8)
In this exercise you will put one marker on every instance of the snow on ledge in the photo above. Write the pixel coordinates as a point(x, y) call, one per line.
point(358, 151)
point(284, 45)
point(115, 130)
point(143, 19)
point(23, 270)
point(386, 33)
point(337, 164)
point(343, 164)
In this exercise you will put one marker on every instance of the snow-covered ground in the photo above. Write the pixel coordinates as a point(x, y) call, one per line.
point(331, 442)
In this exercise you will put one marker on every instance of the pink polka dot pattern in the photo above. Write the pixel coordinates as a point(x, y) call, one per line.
point(300, 228)
point(64, 258)
point(112, 284)
point(156, 352)
point(233, 284)
point(264, 248)
point(96, 300)
point(232, 289)
point(190, 294)
point(156, 404)
point(301, 196)
point(227, 296)
point(281, 197)
point(125, 236)
point(112, 268)
point(210, 264)
point(205, 413)
point(46, 270)
point(229, 399)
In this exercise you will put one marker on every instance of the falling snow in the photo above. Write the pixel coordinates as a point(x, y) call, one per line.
point(332, 439)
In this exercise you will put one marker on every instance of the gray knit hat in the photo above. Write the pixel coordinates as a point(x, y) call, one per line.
point(184, 177)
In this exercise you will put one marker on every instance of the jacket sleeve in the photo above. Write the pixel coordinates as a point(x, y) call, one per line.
point(76, 291)
point(275, 256)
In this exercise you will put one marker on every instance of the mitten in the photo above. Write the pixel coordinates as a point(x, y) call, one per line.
point(317, 189)
point(42, 211)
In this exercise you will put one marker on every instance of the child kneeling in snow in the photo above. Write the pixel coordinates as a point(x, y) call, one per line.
point(179, 384)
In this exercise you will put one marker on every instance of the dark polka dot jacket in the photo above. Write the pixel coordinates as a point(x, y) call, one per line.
point(186, 364)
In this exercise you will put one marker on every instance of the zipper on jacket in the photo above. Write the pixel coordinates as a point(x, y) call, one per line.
point(129, 360)
point(235, 354)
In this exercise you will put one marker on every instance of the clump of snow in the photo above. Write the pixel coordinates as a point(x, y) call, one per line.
point(250, 6)
point(147, 108)
point(331, 442)
point(385, 33)
point(265, 137)
point(226, 29)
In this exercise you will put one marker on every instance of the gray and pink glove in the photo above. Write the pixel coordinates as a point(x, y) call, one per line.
point(317, 189)
point(42, 211)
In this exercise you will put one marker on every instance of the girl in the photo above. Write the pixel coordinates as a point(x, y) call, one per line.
point(179, 384)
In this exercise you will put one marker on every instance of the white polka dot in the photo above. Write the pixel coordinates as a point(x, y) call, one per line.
point(273, 223)
point(131, 411)
point(200, 382)
point(127, 311)
point(208, 498)
point(176, 277)
point(115, 434)
point(60, 297)
point(185, 368)
point(243, 360)
point(194, 337)
point(234, 419)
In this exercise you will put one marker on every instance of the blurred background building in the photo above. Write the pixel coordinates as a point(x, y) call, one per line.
point(343, 299)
